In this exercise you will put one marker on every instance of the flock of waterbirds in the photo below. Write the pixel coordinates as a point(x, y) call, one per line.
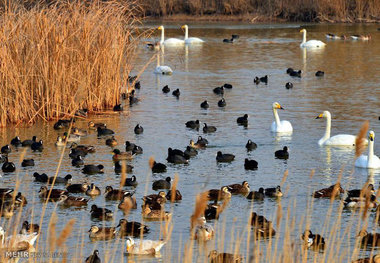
point(153, 205)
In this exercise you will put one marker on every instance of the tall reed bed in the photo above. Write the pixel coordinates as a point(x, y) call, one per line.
point(57, 58)
point(291, 10)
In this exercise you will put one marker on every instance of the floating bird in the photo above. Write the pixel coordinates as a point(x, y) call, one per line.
point(205, 105)
point(250, 164)
point(289, 85)
point(69, 201)
point(208, 129)
point(224, 157)
point(316, 242)
point(282, 154)
point(332, 36)
point(370, 161)
point(310, 43)
point(361, 37)
point(176, 93)
point(166, 89)
point(215, 257)
point(319, 73)
point(243, 120)
point(162, 184)
point(131, 228)
point(193, 124)
point(102, 233)
point(93, 190)
point(190, 40)
point(138, 129)
point(242, 188)
point(256, 195)
point(100, 213)
point(280, 126)
point(250, 145)
point(94, 258)
point(93, 169)
point(144, 247)
point(170, 41)
point(27, 162)
point(222, 103)
point(333, 191)
point(162, 70)
point(273, 192)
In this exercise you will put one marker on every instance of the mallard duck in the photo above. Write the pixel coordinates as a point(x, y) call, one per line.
point(102, 233)
point(365, 191)
point(335, 190)
point(144, 247)
point(259, 220)
point(197, 145)
point(80, 132)
point(282, 154)
point(93, 169)
point(20, 200)
point(128, 203)
point(54, 195)
point(60, 142)
point(224, 157)
point(361, 37)
point(94, 126)
point(242, 188)
point(177, 196)
point(84, 148)
point(77, 188)
point(93, 190)
point(100, 213)
point(216, 194)
point(131, 228)
point(114, 194)
point(316, 242)
point(149, 214)
point(112, 142)
point(121, 156)
point(215, 257)
point(162, 184)
point(94, 258)
point(273, 192)
point(66, 200)
point(369, 239)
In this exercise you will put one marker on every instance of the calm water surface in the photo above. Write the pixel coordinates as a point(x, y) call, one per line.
point(349, 90)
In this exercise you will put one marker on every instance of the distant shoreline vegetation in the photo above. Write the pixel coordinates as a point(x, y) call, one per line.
point(328, 11)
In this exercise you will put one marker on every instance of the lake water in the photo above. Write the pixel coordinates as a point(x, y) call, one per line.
point(349, 90)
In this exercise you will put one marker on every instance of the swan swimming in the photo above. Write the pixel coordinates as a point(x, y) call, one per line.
point(310, 43)
point(162, 70)
point(190, 40)
point(277, 125)
point(169, 41)
point(337, 140)
point(370, 161)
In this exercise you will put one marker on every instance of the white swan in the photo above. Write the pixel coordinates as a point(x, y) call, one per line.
point(18, 242)
point(337, 140)
point(162, 70)
point(144, 247)
point(277, 125)
point(170, 41)
point(190, 40)
point(370, 161)
point(310, 43)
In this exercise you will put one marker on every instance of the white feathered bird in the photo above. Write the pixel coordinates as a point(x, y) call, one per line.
point(144, 247)
point(18, 242)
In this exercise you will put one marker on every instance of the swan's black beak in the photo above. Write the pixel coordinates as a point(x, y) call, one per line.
point(371, 138)
point(319, 116)
point(281, 108)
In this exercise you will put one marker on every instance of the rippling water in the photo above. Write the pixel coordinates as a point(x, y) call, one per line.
point(349, 90)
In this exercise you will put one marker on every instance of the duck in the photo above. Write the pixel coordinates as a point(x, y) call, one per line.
point(42, 178)
point(215, 257)
point(224, 157)
point(93, 190)
point(28, 143)
point(18, 242)
point(243, 120)
point(208, 129)
point(162, 184)
point(77, 188)
point(162, 70)
point(94, 258)
point(28, 228)
point(370, 161)
point(222, 103)
point(138, 129)
point(8, 167)
point(80, 132)
point(192, 124)
point(176, 93)
point(160, 197)
point(213, 210)
point(361, 37)
point(273, 192)
point(169, 41)
point(16, 141)
point(219, 90)
point(337, 140)
point(84, 148)
point(358, 203)
point(114, 194)
point(242, 188)
point(250, 145)
point(68, 201)
point(256, 195)
point(203, 231)
point(102, 233)
point(54, 195)
point(27, 162)
point(369, 239)
point(289, 85)
point(121, 156)
point(280, 126)
point(219, 194)
point(166, 89)
point(93, 169)
point(196, 145)
point(205, 105)
point(282, 154)
point(333, 36)
point(149, 214)
point(61, 180)
point(372, 259)
point(310, 43)
point(100, 213)
point(177, 196)
point(203, 142)
point(314, 241)
point(61, 124)
point(71, 137)
point(367, 189)
point(78, 161)
point(20, 200)
point(190, 40)
point(131, 182)
point(118, 107)
point(7, 209)
point(319, 73)
point(131, 228)
point(127, 203)
point(144, 247)
point(259, 220)
point(333, 191)
point(112, 142)
point(103, 131)
point(190, 151)
point(6, 149)
point(154, 46)
point(60, 142)
point(250, 164)
point(94, 126)
point(158, 167)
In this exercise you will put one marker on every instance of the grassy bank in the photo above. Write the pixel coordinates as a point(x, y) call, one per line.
point(64, 56)
point(258, 10)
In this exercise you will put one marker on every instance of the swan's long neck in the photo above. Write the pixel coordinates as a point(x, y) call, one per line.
point(162, 35)
point(276, 117)
point(158, 59)
point(303, 38)
point(327, 131)
point(186, 33)
point(370, 151)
